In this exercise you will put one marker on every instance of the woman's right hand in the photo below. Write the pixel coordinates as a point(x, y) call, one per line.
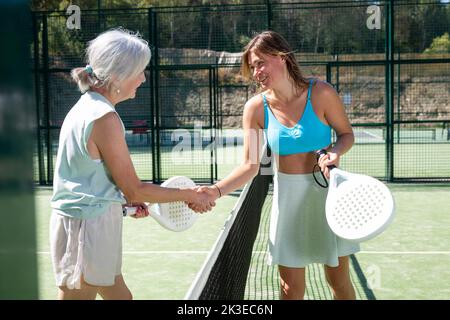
point(202, 200)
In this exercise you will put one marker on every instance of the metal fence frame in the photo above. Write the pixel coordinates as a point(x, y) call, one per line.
point(42, 70)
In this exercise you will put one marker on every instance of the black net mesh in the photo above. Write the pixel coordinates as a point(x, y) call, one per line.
point(229, 273)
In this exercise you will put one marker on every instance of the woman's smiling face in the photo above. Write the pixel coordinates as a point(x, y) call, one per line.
point(129, 86)
point(265, 69)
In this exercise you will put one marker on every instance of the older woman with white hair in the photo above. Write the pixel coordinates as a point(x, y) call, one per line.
point(94, 175)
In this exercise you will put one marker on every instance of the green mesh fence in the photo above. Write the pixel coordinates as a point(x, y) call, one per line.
point(388, 60)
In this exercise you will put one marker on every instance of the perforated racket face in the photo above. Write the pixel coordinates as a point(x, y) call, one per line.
point(359, 208)
point(176, 216)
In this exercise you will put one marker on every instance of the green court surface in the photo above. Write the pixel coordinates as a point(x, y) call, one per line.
point(411, 258)
point(409, 261)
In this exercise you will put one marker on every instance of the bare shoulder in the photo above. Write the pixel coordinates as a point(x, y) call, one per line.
point(110, 118)
point(254, 102)
point(254, 110)
point(324, 90)
point(108, 125)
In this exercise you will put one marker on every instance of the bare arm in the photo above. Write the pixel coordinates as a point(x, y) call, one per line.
point(253, 141)
point(108, 136)
point(335, 115)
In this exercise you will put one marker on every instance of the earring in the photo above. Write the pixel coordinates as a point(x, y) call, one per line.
point(118, 91)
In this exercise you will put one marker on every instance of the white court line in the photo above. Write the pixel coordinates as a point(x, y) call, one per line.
point(372, 135)
point(263, 252)
point(150, 252)
point(405, 252)
point(387, 252)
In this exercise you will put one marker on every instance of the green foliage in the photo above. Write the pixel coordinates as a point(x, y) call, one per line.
point(62, 41)
point(319, 29)
point(243, 40)
point(440, 45)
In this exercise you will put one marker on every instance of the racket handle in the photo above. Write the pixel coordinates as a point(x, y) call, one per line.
point(322, 152)
point(129, 211)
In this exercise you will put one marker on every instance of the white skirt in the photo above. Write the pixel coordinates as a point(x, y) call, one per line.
point(91, 248)
point(299, 232)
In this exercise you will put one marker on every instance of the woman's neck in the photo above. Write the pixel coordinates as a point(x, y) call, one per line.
point(107, 94)
point(286, 91)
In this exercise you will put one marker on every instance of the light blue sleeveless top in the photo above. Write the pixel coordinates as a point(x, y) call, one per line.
point(82, 187)
point(308, 134)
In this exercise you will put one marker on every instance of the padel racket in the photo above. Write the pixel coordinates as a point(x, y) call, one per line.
point(358, 207)
point(174, 216)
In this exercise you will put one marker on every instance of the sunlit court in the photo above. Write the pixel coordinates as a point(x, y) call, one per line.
point(190, 91)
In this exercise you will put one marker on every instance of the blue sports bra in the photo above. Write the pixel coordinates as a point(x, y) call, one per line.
point(308, 134)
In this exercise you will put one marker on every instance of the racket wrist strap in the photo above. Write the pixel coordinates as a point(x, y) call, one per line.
point(325, 182)
point(218, 189)
point(318, 155)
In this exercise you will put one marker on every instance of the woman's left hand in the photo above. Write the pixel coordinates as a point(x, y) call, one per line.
point(331, 158)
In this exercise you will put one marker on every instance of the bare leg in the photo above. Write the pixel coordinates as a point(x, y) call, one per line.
point(86, 292)
point(292, 282)
point(119, 291)
point(339, 280)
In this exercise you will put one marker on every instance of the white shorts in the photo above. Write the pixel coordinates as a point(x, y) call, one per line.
point(91, 248)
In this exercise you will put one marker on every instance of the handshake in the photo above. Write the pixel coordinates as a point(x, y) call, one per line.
point(204, 198)
point(198, 198)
